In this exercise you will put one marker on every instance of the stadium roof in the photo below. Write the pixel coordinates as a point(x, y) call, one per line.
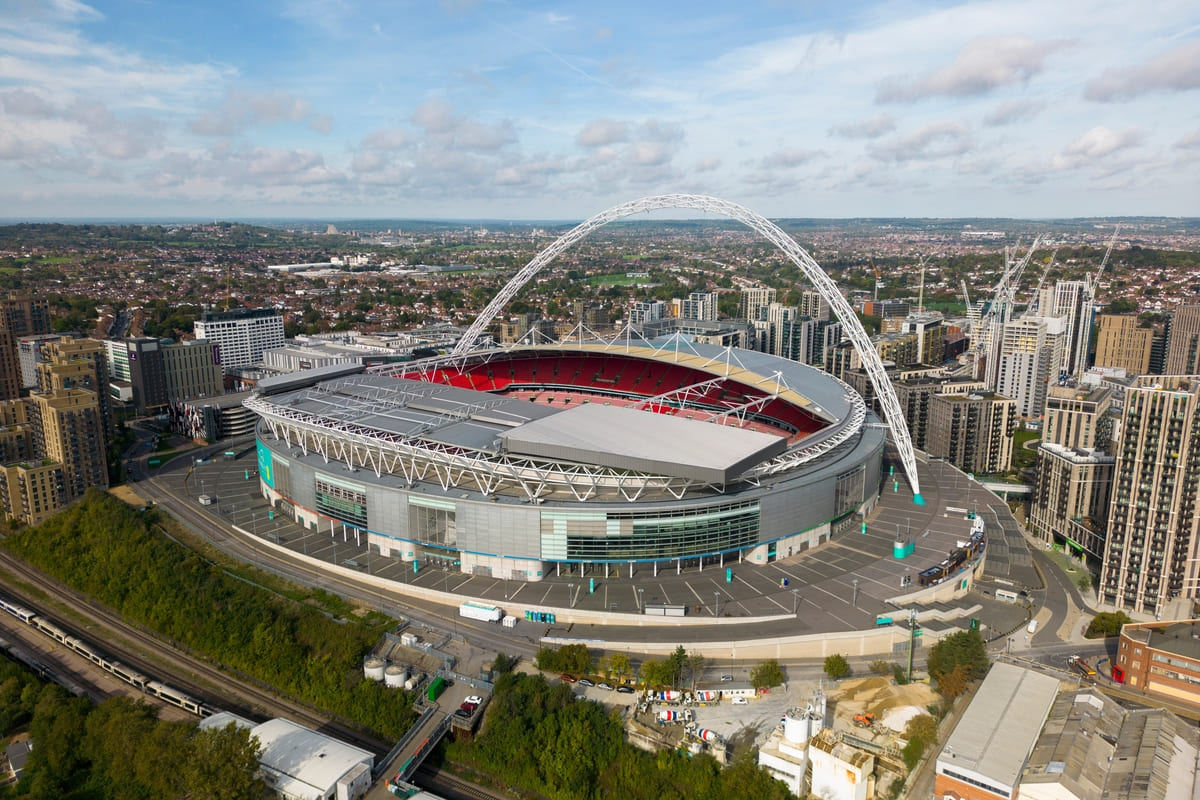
point(625, 438)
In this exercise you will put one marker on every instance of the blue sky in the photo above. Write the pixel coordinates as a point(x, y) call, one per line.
point(475, 108)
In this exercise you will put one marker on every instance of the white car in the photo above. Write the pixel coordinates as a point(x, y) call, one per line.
point(473, 698)
point(741, 701)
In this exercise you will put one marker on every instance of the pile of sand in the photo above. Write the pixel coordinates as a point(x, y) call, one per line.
point(892, 705)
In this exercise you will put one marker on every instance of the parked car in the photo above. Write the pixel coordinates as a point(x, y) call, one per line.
point(462, 713)
point(473, 698)
point(741, 701)
point(726, 677)
point(605, 686)
point(586, 682)
point(623, 689)
point(568, 678)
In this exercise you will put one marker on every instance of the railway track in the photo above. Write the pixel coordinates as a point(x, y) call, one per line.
point(195, 675)
point(452, 787)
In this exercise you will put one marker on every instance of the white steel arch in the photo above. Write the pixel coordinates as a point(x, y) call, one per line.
point(799, 256)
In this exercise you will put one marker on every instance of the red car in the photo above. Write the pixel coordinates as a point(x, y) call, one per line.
point(469, 707)
point(568, 678)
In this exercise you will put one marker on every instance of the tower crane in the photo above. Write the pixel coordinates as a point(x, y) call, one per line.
point(1037, 293)
point(1000, 311)
point(1084, 336)
point(878, 279)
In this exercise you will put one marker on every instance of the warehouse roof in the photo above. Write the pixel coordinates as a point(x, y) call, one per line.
point(302, 762)
point(999, 728)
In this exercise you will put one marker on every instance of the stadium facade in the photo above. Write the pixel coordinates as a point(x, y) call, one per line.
point(522, 462)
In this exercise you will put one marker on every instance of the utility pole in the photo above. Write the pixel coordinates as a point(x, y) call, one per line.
point(912, 638)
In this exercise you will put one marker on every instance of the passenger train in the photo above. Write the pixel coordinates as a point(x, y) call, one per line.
point(963, 553)
point(162, 691)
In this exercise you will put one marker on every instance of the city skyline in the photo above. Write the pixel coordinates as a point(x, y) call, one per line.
point(323, 108)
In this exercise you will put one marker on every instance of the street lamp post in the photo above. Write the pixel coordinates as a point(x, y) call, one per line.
point(571, 595)
point(854, 599)
point(716, 604)
point(641, 600)
point(254, 517)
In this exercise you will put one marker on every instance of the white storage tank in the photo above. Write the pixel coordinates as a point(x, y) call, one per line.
point(373, 668)
point(394, 676)
point(411, 683)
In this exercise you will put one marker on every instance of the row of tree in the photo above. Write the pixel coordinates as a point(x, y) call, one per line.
point(110, 551)
point(681, 668)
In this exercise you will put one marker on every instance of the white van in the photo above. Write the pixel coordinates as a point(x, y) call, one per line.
point(1032, 629)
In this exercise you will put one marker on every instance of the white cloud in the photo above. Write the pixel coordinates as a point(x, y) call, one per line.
point(600, 132)
point(932, 141)
point(1190, 141)
point(1012, 112)
point(868, 128)
point(1175, 70)
point(788, 158)
point(240, 110)
point(707, 164)
point(981, 66)
point(24, 103)
point(1098, 143)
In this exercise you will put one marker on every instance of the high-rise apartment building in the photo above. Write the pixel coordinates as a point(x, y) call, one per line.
point(700, 305)
point(1068, 300)
point(1071, 493)
point(1152, 552)
point(78, 364)
point(930, 332)
point(643, 311)
point(752, 299)
point(916, 394)
point(1183, 342)
point(29, 353)
point(813, 305)
point(20, 315)
point(193, 370)
point(241, 333)
point(1030, 358)
point(1122, 342)
point(68, 430)
point(973, 432)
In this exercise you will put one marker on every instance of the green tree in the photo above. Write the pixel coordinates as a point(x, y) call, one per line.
point(695, 666)
point(222, 764)
point(837, 667)
point(619, 664)
point(766, 674)
point(966, 648)
point(1107, 623)
point(953, 683)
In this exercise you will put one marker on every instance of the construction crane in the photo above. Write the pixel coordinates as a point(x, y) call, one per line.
point(1036, 300)
point(921, 290)
point(966, 297)
point(1000, 311)
point(1084, 334)
point(878, 279)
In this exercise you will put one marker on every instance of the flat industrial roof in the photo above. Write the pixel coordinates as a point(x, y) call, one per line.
point(625, 438)
point(999, 728)
point(304, 760)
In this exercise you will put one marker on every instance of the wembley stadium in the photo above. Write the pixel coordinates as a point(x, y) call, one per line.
point(527, 461)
